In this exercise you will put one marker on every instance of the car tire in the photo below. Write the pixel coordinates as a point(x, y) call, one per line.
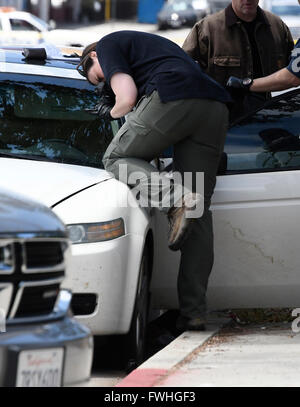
point(135, 340)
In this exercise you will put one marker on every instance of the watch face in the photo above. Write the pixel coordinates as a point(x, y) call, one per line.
point(247, 81)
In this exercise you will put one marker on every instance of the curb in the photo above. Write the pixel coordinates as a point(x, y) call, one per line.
point(164, 363)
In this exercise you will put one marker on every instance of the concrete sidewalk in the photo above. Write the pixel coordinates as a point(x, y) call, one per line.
point(93, 32)
point(224, 356)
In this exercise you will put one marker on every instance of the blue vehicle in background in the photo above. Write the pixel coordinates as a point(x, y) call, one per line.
point(180, 13)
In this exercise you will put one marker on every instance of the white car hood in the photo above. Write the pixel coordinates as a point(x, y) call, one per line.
point(47, 182)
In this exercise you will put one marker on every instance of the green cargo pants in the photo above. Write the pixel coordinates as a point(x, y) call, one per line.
point(196, 128)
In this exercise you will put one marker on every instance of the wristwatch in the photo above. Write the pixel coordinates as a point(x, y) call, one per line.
point(247, 82)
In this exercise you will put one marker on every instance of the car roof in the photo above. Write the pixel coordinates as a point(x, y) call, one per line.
point(4, 11)
point(14, 55)
point(13, 13)
point(13, 61)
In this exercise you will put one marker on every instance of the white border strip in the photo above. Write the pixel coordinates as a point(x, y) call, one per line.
point(38, 70)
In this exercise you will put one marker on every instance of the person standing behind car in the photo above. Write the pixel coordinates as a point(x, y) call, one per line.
point(168, 101)
point(243, 41)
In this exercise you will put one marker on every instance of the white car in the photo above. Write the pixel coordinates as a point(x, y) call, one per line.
point(51, 150)
point(22, 28)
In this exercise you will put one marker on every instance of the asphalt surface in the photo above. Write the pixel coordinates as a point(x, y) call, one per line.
point(160, 333)
point(93, 32)
point(107, 369)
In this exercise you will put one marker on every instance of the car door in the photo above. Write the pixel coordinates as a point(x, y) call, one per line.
point(256, 207)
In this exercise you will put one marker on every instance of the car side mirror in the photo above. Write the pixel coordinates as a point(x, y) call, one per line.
point(222, 164)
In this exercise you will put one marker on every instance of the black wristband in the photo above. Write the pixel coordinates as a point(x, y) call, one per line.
point(247, 82)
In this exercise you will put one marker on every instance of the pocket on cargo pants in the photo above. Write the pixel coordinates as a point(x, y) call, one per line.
point(128, 142)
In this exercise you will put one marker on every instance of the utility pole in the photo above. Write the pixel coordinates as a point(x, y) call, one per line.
point(114, 9)
point(44, 6)
point(19, 5)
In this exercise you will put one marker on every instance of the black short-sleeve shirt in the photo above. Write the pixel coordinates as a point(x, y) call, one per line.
point(156, 63)
point(294, 66)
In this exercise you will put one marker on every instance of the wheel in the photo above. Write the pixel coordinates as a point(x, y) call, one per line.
point(135, 340)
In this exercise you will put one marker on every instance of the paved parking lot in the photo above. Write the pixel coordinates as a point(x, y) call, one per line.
point(95, 32)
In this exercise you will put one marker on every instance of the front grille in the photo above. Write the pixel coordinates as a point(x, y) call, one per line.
point(38, 270)
point(39, 299)
point(43, 254)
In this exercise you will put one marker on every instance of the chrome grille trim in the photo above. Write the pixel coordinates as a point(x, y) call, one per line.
point(6, 291)
point(29, 236)
point(32, 270)
point(23, 285)
point(53, 269)
point(61, 308)
point(8, 270)
point(44, 267)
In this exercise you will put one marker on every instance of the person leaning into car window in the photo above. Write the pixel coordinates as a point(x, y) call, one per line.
point(243, 41)
point(283, 79)
point(168, 101)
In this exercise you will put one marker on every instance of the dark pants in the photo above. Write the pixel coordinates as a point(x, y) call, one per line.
point(197, 129)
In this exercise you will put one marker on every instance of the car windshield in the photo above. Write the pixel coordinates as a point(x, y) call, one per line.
point(48, 122)
point(286, 10)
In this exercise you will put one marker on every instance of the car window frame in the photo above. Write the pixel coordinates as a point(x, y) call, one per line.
point(72, 83)
point(29, 23)
point(251, 113)
point(5, 23)
point(52, 80)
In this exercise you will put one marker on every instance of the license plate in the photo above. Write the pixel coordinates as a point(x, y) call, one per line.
point(40, 368)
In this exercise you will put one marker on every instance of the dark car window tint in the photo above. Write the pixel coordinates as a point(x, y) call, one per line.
point(21, 25)
point(49, 122)
point(267, 140)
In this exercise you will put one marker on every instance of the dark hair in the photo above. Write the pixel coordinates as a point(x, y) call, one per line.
point(86, 61)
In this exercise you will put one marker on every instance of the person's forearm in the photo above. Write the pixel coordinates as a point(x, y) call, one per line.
point(279, 80)
point(126, 94)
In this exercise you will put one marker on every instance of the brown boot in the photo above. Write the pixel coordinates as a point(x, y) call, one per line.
point(180, 226)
